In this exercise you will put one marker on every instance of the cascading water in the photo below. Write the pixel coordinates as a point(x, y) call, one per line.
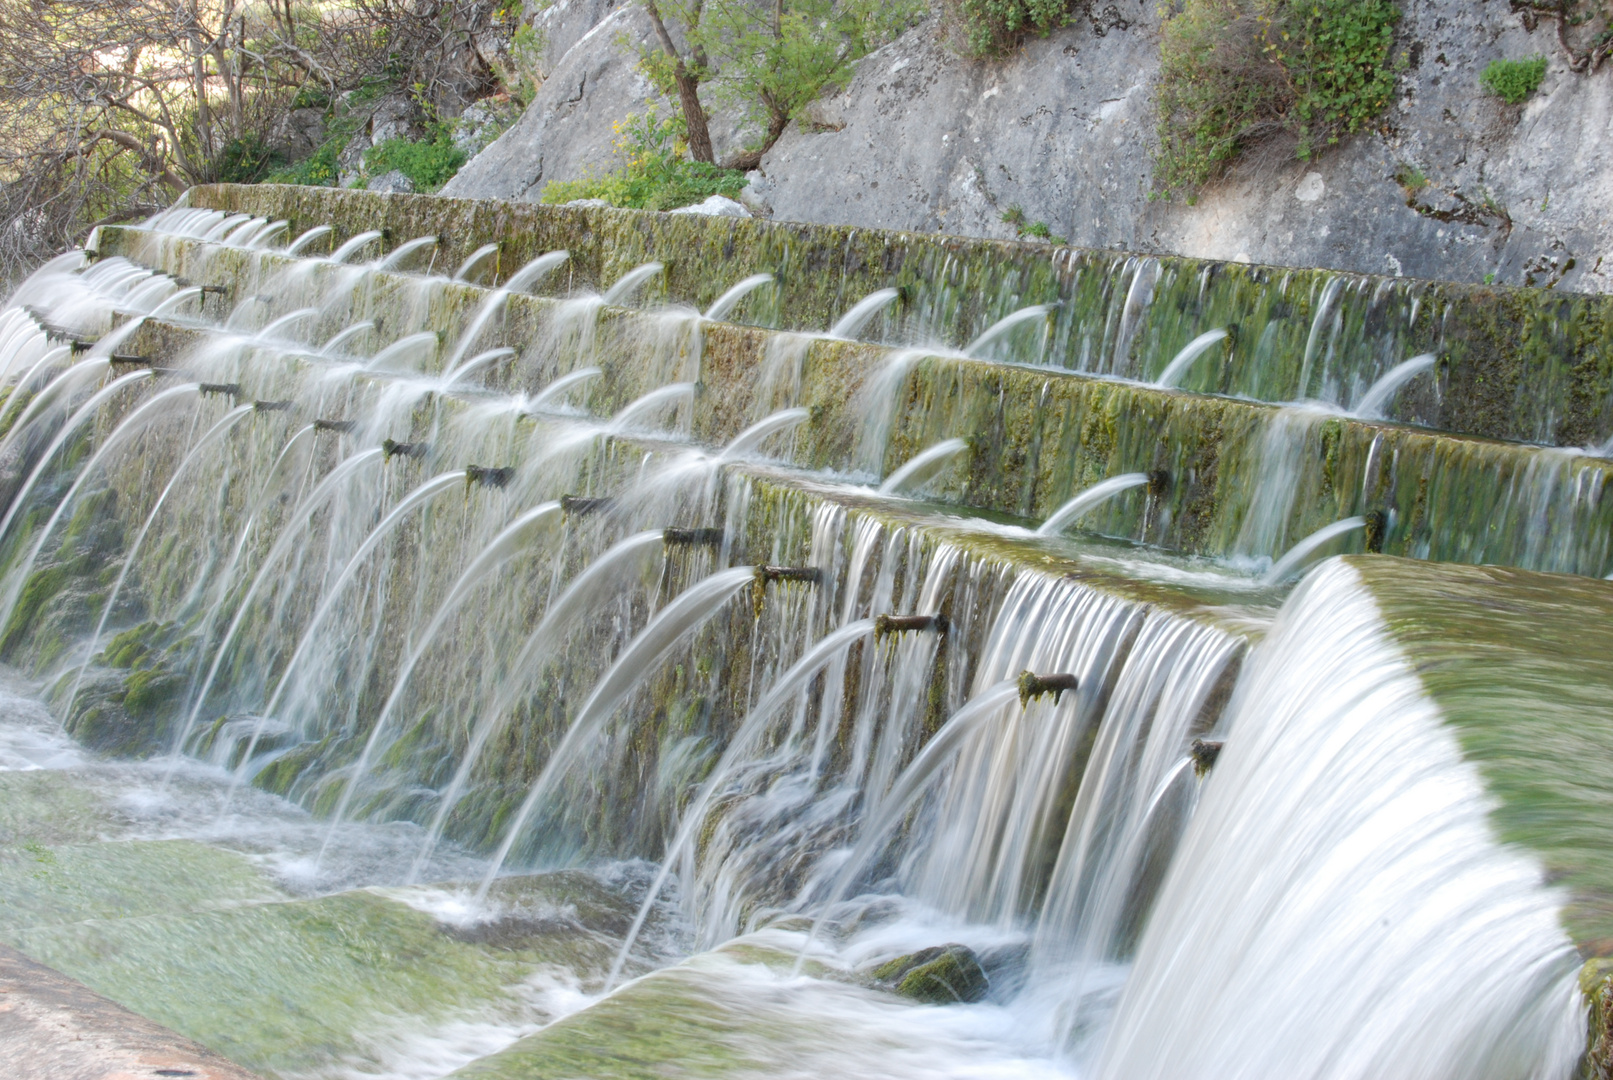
point(596, 723)
point(1089, 499)
point(1399, 937)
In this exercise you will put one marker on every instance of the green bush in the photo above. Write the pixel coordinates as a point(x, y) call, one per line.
point(995, 27)
point(317, 170)
point(1238, 73)
point(245, 161)
point(656, 175)
point(429, 163)
point(1514, 80)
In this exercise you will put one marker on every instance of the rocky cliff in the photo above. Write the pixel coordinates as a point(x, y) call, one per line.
point(924, 139)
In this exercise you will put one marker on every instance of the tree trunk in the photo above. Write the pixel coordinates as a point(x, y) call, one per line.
point(694, 118)
point(749, 159)
point(694, 114)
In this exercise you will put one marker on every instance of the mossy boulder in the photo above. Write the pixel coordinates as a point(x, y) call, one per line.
point(939, 975)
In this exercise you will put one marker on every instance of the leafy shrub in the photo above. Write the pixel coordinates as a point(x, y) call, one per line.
point(771, 60)
point(317, 170)
point(1238, 73)
point(428, 163)
point(994, 27)
point(1514, 80)
point(245, 161)
point(656, 175)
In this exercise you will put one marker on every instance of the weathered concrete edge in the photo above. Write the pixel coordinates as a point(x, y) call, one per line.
point(54, 1028)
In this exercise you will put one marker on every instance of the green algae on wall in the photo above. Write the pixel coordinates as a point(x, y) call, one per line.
point(1521, 666)
point(1527, 364)
point(1039, 436)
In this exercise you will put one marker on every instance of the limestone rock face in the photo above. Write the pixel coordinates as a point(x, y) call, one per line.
point(568, 130)
point(391, 183)
point(716, 206)
point(298, 133)
point(924, 139)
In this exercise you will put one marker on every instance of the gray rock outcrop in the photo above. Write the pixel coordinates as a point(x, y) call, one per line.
point(923, 139)
point(716, 206)
point(567, 132)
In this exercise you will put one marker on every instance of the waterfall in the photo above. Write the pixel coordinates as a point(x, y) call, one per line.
point(701, 731)
point(1340, 905)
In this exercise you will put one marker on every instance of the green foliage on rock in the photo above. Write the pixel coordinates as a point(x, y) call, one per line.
point(1296, 76)
point(1513, 81)
point(770, 61)
point(428, 163)
point(996, 27)
point(1024, 228)
point(655, 176)
point(318, 170)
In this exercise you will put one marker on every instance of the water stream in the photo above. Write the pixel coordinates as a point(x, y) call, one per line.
point(423, 721)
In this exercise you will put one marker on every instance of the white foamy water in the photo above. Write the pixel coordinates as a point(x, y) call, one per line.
point(1339, 907)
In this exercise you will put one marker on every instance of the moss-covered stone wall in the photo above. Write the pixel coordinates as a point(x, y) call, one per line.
point(1244, 478)
point(1525, 364)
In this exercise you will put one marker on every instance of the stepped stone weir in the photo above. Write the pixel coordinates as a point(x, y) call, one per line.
point(686, 741)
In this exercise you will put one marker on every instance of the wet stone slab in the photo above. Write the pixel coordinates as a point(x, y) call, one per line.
point(53, 1028)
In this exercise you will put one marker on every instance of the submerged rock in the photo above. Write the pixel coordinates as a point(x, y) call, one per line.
point(939, 975)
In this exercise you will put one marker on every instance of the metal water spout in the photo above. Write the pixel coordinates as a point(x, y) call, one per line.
point(679, 537)
point(583, 505)
point(341, 427)
point(392, 448)
point(1204, 754)
point(889, 625)
point(496, 476)
point(1033, 686)
point(771, 575)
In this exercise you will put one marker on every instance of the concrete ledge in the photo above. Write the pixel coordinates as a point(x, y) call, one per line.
point(53, 1028)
